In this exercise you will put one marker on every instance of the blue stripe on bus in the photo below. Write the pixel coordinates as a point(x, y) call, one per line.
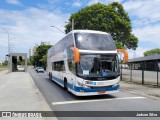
point(78, 89)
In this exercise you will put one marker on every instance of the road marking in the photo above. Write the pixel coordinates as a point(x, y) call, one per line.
point(85, 101)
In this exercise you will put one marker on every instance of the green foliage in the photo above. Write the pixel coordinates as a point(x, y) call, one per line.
point(44, 61)
point(3, 66)
point(5, 63)
point(119, 45)
point(40, 58)
point(110, 18)
point(152, 52)
point(20, 62)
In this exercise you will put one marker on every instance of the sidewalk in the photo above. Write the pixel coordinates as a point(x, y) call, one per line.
point(19, 93)
point(150, 91)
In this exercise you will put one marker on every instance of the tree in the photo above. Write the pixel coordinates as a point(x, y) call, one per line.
point(44, 61)
point(152, 52)
point(40, 57)
point(5, 63)
point(110, 18)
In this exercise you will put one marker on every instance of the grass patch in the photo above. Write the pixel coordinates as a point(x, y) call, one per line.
point(3, 66)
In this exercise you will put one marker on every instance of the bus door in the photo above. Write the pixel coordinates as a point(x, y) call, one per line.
point(58, 71)
point(61, 71)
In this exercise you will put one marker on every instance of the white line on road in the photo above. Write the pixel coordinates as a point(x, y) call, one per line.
point(85, 101)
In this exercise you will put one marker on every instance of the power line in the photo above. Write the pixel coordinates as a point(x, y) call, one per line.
point(148, 20)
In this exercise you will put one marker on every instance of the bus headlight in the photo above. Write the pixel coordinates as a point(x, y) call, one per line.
point(86, 86)
point(79, 83)
point(82, 85)
point(116, 84)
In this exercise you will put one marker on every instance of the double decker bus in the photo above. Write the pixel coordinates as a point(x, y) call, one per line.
point(85, 62)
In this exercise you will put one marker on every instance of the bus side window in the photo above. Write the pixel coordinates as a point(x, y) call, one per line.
point(61, 66)
point(58, 66)
point(52, 65)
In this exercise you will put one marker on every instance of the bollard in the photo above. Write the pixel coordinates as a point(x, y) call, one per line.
point(131, 74)
point(121, 73)
point(142, 73)
point(157, 78)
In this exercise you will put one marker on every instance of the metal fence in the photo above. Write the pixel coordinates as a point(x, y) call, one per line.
point(140, 75)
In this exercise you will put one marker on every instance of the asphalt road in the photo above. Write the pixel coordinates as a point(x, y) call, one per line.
point(61, 100)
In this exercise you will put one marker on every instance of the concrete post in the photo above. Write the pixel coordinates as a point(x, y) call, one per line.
point(25, 63)
point(121, 73)
point(157, 73)
point(142, 73)
point(131, 73)
point(10, 63)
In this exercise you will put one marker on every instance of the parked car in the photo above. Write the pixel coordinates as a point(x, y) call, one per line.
point(40, 69)
point(36, 68)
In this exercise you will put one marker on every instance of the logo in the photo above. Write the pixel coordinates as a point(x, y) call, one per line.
point(6, 114)
point(102, 78)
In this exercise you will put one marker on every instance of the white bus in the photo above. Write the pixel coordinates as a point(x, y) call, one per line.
point(85, 62)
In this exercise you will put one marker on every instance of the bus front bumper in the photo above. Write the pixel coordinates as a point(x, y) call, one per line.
point(81, 91)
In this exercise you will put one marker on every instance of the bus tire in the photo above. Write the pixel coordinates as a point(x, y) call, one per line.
point(65, 84)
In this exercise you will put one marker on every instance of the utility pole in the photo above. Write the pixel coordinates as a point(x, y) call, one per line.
point(72, 24)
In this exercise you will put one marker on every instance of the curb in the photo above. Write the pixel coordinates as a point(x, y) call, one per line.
point(42, 101)
point(131, 90)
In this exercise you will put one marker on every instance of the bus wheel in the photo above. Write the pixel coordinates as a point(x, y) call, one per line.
point(65, 84)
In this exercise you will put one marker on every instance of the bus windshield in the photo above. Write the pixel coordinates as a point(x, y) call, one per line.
point(98, 66)
point(94, 41)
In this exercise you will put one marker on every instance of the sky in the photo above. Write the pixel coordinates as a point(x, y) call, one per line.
point(28, 22)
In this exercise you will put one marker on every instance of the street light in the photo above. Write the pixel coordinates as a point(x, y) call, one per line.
point(58, 29)
point(8, 44)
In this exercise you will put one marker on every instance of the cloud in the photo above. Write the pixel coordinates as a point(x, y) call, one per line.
point(145, 18)
point(91, 2)
point(29, 27)
point(14, 2)
point(76, 4)
point(142, 10)
point(148, 34)
point(136, 53)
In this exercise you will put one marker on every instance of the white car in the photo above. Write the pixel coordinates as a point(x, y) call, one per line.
point(40, 69)
point(36, 68)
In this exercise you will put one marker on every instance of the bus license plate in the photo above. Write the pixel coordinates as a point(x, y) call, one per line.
point(100, 83)
point(101, 91)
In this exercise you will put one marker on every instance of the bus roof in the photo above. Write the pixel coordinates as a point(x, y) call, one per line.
point(87, 31)
point(81, 31)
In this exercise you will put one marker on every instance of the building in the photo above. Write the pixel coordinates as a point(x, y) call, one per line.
point(13, 62)
point(33, 50)
point(150, 63)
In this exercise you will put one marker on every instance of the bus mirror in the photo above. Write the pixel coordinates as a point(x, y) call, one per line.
point(125, 54)
point(76, 55)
